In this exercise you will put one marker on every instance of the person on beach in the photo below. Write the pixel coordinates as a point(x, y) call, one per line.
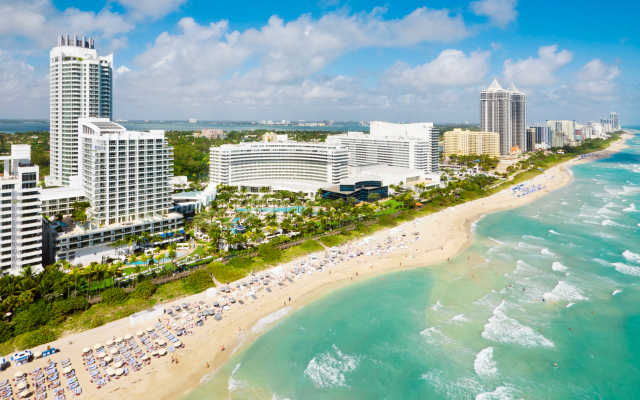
point(222, 348)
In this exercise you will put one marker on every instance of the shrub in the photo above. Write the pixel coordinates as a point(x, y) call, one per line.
point(144, 290)
point(69, 306)
point(311, 245)
point(269, 254)
point(114, 296)
point(331, 240)
point(198, 281)
point(241, 262)
point(6, 331)
point(225, 273)
point(36, 338)
point(32, 316)
point(386, 220)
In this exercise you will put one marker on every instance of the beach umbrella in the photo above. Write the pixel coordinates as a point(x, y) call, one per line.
point(153, 353)
point(118, 339)
point(114, 351)
point(161, 342)
point(19, 374)
point(102, 354)
point(127, 337)
point(25, 393)
point(145, 357)
point(97, 346)
point(108, 358)
point(66, 370)
point(119, 371)
point(109, 342)
point(177, 344)
point(139, 333)
point(111, 371)
point(21, 385)
point(162, 352)
point(118, 364)
point(149, 329)
point(86, 350)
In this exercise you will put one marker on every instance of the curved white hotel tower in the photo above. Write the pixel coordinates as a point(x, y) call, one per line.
point(80, 87)
point(314, 163)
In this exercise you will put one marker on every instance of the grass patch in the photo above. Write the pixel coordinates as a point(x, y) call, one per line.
point(307, 247)
point(333, 240)
point(199, 251)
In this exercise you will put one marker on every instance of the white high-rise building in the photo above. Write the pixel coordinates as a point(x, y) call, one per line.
point(504, 112)
point(20, 220)
point(412, 146)
point(615, 121)
point(80, 87)
point(125, 178)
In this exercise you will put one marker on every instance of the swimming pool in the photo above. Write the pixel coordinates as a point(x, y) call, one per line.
point(273, 209)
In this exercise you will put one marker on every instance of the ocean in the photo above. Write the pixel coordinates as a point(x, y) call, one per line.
point(13, 127)
point(544, 304)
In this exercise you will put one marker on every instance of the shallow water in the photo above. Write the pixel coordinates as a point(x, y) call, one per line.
point(555, 281)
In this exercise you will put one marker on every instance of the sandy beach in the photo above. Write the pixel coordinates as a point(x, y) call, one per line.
point(442, 235)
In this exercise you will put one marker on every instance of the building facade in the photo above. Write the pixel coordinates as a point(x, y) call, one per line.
point(363, 188)
point(412, 146)
point(564, 129)
point(211, 134)
point(504, 112)
point(465, 143)
point(20, 208)
point(615, 121)
point(125, 179)
point(234, 164)
point(80, 87)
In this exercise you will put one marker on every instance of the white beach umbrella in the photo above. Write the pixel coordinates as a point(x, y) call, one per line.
point(114, 351)
point(21, 385)
point(97, 346)
point(119, 371)
point(19, 374)
point(139, 333)
point(86, 350)
point(118, 364)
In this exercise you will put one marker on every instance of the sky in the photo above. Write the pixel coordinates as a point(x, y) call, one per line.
point(355, 60)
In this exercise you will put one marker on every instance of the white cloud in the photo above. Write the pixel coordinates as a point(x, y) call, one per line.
point(123, 69)
point(451, 68)
point(596, 78)
point(151, 8)
point(500, 12)
point(206, 58)
point(39, 21)
point(537, 71)
point(23, 91)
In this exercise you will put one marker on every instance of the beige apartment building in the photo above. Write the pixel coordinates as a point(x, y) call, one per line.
point(464, 143)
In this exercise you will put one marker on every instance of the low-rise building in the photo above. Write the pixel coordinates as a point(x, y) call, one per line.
point(466, 143)
point(362, 188)
point(211, 134)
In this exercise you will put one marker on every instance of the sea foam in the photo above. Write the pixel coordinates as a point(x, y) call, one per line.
point(557, 266)
point(484, 364)
point(233, 383)
point(501, 393)
point(274, 316)
point(501, 328)
point(564, 291)
point(327, 370)
point(615, 292)
point(631, 256)
point(627, 269)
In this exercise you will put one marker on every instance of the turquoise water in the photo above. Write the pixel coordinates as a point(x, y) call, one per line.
point(468, 330)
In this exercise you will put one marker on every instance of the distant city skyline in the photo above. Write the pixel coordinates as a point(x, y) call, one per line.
point(184, 59)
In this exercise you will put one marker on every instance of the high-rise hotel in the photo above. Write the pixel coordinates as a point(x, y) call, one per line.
point(122, 175)
point(504, 112)
point(80, 87)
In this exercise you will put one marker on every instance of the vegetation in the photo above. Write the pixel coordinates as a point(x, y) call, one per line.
point(114, 296)
point(198, 281)
point(144, 290)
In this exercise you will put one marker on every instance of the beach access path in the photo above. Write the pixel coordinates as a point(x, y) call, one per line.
point(442, 235)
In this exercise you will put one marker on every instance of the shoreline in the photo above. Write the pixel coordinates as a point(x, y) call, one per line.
point(443, 235)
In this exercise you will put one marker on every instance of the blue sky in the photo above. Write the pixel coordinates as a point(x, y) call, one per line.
point(331, 59)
